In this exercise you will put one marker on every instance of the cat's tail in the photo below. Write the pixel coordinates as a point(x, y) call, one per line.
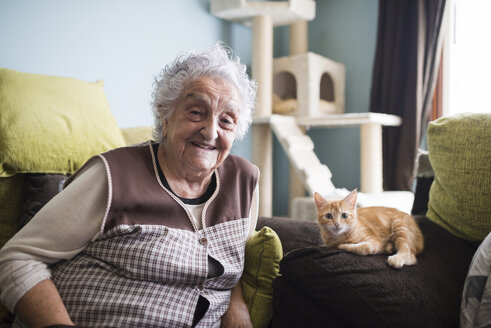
point(407, 240)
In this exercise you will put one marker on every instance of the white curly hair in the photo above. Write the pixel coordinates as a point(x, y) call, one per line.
point(218, 61)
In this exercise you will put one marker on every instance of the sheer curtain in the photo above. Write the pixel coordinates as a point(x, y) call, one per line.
point(409, 42)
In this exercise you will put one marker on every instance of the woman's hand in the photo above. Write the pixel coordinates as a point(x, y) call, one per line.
point(42, 306)
point(237, 314)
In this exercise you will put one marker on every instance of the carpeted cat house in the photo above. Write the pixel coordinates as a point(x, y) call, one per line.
point(308, 85)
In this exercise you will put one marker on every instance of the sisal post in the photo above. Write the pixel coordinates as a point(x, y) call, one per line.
point(299, 44)
point(262, 142)
point(299, 39)
point(296, 188)
point(371, 168)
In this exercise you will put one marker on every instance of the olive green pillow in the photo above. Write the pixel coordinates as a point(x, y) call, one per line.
point(459, 149)
point(52, 124)
point(262, 264)
point(137, 134)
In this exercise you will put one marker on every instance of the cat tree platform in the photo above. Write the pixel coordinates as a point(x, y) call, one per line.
point(315, 176)
point(371, 164)
point(371, 161)
point(281, 12)
point(371, 169)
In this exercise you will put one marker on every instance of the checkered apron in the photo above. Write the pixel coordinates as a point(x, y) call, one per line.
point(152, 275)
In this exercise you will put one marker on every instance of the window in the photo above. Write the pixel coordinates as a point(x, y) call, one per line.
point(467, 57)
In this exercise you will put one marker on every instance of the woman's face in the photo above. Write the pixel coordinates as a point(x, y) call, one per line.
point(200, 132)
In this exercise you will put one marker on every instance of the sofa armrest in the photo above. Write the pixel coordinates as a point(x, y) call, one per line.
point(423, 180)
point(293, 233)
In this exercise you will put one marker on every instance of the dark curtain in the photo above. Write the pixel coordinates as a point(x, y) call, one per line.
point(409, 42)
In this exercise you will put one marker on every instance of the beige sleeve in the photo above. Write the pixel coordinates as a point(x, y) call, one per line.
point(254, 210)
point(59, 231)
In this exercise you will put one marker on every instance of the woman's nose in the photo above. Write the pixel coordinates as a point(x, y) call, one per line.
point(210, 129)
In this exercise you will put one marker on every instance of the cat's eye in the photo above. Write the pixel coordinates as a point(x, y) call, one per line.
point(328, 216)
point(344, 216)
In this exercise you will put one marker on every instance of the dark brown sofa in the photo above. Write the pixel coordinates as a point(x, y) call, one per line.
point(325, 287)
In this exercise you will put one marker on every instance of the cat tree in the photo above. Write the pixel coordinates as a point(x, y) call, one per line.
point(296, 92)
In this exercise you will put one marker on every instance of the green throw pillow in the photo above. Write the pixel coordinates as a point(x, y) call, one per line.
point(52, 124)
point(262, 264)
point(137, 134)
point(459, 148)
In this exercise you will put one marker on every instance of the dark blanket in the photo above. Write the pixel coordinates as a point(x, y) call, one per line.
point(325, 287)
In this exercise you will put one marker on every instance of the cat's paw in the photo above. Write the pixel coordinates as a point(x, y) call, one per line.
point(400, 259)
point(349, 247)
point(411, 260)
point(359, 248)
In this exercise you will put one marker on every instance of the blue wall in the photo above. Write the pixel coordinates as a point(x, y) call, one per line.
point(346, 31)
point(127, 42)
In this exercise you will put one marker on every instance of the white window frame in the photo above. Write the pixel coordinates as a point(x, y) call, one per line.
point(453, 87)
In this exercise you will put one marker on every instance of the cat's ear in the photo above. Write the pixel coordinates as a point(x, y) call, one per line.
point(351, 199)
point(320, 201)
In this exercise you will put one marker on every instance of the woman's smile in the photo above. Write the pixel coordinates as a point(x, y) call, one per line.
point(203, 146)
point(200, 131)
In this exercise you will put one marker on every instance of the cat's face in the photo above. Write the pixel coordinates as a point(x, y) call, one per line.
point(337, 216)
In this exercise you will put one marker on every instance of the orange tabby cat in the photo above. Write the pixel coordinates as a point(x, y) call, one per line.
point(369, 230)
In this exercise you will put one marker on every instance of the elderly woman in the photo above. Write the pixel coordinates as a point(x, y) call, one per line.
point(151, 235)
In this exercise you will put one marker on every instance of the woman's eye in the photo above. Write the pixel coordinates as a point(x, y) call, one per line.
point(344, 216)
point(328, 216)
point(195, 114)
point(227, 121)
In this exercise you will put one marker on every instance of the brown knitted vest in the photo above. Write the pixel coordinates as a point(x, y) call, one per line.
point(148, 267)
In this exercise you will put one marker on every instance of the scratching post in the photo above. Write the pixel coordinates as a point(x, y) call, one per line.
point(262, 143)
point(262, 63)
point(371, 169)
point(299, 40)
point(299, 44)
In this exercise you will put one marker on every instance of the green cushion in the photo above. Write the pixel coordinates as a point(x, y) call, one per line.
point(460, 153)
point(137, 134)
point(52, 124)
point(262, 264)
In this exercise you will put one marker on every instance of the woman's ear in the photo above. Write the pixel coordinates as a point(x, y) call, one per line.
point(163, 121)
point(165, 125)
